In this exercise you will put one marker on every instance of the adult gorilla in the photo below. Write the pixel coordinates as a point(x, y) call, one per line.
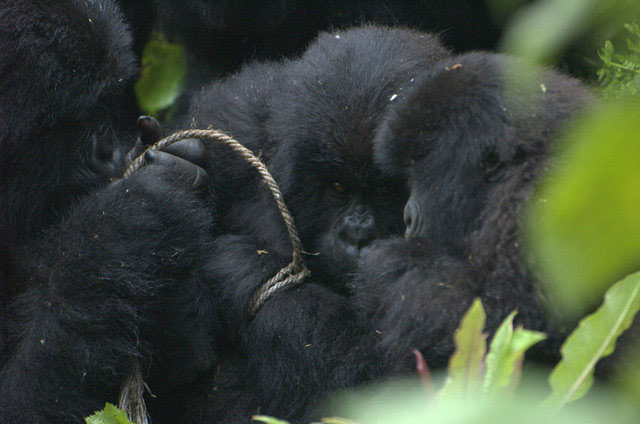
point(85, 260)
point(472, 137)
point(313, 120)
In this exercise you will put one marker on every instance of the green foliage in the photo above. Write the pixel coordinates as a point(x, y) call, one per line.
point(465, 366)
point(498, 402)
point(470, 374)
point(505, 356)
point(594, 338)
point(583, 228)
point(109, 415)
point(164, 67)
point(408, 406)
point(542, 30)
point(620, 72)
point(268, 420)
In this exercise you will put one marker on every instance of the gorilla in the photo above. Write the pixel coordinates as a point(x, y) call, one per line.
point(159, 269)
point(313, 120)
point(88, 262)
point(472, 137)
point(99, 273)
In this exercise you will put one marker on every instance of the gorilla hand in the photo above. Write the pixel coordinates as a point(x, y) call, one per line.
point(184, 157)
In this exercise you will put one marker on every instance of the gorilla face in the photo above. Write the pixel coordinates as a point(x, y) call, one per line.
point(325, 118)
point(358, 209)
point(451, 137)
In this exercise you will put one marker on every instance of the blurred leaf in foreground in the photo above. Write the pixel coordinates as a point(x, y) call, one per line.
point(594, 338)
point(408, 405)
point(544, 28)
point(164, 67)
point(268, 420)
point(505, 356)
point(109, 415)
point(466, 364)
point(583, 228)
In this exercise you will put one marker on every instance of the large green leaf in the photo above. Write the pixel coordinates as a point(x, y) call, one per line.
point(109, 415)
point(409, 405)
point(584, 228)
point(164, 67)
point(594, 338)
point(465, 366)
point(505, 355)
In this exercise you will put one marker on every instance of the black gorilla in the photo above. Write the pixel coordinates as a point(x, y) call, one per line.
point(86, 261)
point(472, 137)
point(313, 120)
point(96, 273)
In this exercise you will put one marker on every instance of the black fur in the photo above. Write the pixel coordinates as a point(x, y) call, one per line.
point(313, 120)
point(95, 272)
point(472, 136)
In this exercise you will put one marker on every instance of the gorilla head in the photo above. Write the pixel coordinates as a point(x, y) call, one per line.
point(324, 119)
point(64, 98)
point(469, 124)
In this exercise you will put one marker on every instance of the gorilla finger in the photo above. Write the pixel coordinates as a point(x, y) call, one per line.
point(191, 149)
point(198, 177)
point(150, 130)
point(135, 151)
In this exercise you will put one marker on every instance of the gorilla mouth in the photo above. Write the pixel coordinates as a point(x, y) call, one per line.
point(338, 257)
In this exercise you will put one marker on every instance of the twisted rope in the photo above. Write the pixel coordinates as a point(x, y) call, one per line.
point(131, 399)
point(290, 275)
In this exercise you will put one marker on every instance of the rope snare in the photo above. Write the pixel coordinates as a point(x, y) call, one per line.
point(290, 275)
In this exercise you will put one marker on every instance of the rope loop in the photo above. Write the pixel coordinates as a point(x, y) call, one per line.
point(296, 271)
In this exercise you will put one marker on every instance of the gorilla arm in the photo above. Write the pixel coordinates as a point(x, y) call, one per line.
point(113, 282)
point(302, 342)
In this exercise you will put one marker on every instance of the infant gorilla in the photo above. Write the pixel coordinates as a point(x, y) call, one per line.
point(472, 137)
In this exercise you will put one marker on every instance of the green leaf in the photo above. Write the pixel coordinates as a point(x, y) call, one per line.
point(465, 366)
point(583, 228)
point(337, 420)
point(398, 405)
point(109, 415)
point(505, 355)
point(164, 67)
point(608, 50)
point(594, 338)
point(268, 420)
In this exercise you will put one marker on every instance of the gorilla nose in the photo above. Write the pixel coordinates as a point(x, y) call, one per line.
point(358, 230)
point(412, 220)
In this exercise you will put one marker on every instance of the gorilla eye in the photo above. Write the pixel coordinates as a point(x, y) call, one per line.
point(384, 190)
point(338, 187)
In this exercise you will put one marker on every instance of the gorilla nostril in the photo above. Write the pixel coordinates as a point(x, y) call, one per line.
point(357, 230)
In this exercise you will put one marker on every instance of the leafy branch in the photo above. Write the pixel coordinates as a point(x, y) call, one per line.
point(620, 72)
